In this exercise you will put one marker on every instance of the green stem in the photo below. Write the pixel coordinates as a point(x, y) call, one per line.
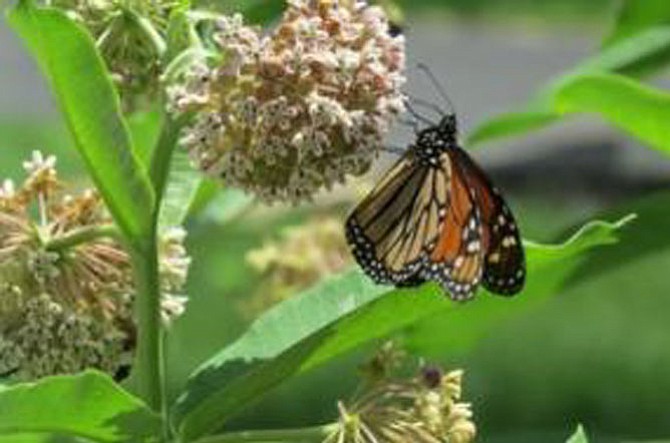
point(302, 435)
point(149, 372)
point(162, 155)
point(148, 29)
point(148, 369)
point(81, 235)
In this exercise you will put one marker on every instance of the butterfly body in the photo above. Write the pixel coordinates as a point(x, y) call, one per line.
point(435, 216)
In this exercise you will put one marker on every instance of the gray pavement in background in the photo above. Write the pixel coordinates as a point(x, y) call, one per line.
point(486, 68)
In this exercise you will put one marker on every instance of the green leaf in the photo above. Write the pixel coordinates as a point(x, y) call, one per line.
point(88, 405)
point(549, 268)
point(144, 130)
point(639, 55)
point(86, 96)
point(329, 320)
point(635, 16)
point(579, 436)
point(640, 110)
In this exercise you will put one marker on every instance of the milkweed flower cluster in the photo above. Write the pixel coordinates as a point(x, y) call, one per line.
point(130, 35)
point(304, 255)
point(290, 113)
point(425, 408)
point(66, 287)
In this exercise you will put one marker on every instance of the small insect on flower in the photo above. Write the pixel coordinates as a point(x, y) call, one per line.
point(436, 216)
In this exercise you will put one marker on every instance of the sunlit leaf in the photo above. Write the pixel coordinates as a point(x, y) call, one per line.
point(640, 110)
point(549, 266)
point(68, 57)
point(333, 318)
point(579, 436)
point(642, 54)
point(89, 405)
point(635, 16)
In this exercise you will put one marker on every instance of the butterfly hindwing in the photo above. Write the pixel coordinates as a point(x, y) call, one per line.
point(504, 263)
point(456, 261)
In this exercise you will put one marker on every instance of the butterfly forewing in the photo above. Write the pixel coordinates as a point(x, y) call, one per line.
point(394, 228)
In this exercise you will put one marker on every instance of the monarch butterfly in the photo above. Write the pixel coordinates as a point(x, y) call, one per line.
point(436, 216)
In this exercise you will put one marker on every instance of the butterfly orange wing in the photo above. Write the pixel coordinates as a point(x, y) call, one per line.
point(504, 262)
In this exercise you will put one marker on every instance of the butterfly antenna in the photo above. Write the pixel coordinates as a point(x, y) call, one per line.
point(417, 115)
point(436, 84)
point(426, 104)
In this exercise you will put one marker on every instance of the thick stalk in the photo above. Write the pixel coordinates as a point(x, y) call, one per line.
point(148, 369)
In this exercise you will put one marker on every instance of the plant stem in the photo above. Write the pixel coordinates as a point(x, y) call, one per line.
point(81, 235)
point(162, 155)
point(149, 30)
point(148, 371)
point(302, 435)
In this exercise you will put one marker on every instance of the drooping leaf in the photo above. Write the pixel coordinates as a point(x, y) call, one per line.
point(89, 405)
point(549, 267)
point(642, 54)
point(640, 110)
point(68, 57)
point(635, 16)
point(331, 319)
point(579, 436)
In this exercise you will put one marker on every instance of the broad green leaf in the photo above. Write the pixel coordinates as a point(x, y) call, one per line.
point(89, 405)
point(331, 319)
point(549, 267)
point(642, 54)
point(91, 109)
point(144, 129)
point(635, 16)
point(640, 110)
point(579, 436)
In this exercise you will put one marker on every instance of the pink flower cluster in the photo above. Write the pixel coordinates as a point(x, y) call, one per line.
point(296, 111)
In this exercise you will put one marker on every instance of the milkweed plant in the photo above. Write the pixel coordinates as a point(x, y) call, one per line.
point(93, 279)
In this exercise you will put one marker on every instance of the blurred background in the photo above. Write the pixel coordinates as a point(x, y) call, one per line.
point(596, 353)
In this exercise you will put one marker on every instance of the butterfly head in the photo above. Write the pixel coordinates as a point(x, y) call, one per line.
point(437, 138)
